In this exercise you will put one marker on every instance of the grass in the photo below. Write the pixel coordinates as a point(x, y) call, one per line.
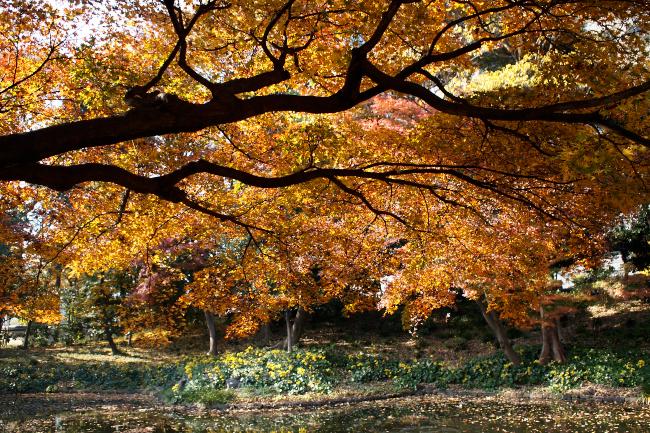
point(91, 368)
point(93, 352)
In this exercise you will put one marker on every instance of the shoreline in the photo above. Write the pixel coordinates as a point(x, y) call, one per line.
point(15, 407)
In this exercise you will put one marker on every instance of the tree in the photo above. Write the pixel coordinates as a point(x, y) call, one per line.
point(99, 300)
point(481, 132)
point(273, 61)
point(164, 275)
point(29, 284)
point(286, 280)
point(494, 322)
point(11, 265)
point(631, 237)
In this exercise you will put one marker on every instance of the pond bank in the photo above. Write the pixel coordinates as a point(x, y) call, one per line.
point(415, 414)
point(260, 380)
point(588, 394)
point(40, 405)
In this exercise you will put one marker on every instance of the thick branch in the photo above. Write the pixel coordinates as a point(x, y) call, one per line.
point(172, 115)
point(166, 186)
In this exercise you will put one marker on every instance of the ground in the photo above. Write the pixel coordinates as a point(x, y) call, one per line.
point(458, 344)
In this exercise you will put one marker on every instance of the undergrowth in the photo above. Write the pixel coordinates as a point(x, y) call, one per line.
point(211, 380)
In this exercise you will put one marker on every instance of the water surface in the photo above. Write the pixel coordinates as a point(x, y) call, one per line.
point(416, 415)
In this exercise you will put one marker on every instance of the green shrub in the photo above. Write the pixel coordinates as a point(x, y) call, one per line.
point(291, 373)
point(626, 369)
point(25, 376)
point(603, 367)
point(363, 368)
point(275, 371)
point(422, 371)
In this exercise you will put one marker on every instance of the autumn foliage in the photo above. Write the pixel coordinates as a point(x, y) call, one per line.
point(248, 157)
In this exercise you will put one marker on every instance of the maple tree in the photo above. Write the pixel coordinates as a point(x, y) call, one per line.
point(271, 59)
point(448, 144)
point(28, 285)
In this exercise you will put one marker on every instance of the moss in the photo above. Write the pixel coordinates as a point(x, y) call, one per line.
point(208, 397)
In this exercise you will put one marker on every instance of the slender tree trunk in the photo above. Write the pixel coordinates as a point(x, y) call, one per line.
point(28, 333)
point(627, 267)
point(552, 349)
point(212, 331)
point(298, 325)
point(289, 341)
point(494, 323)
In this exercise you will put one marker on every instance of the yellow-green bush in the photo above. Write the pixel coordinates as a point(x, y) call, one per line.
point(292, 373)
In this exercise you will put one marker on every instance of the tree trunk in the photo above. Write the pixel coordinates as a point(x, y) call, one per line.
point(212, 331)
point(108, 336)
point(289, 339)
point(552, 349)
point(28, 333)
point(499, 331)
point(298, 325)
point(295, 328)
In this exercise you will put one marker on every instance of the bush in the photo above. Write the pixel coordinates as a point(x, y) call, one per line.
point(603, 367)
point(627, 369)
point(73, 332)
point(363, 368)
point(275, 371)
point(292, 373)
point(26, 376)
point(43, 335)
point(410, 375)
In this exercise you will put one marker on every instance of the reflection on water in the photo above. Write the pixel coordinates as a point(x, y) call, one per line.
point(415, 416)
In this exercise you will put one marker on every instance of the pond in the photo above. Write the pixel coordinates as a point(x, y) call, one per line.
point(415, 415)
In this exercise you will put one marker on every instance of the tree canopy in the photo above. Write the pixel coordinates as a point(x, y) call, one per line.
point(449, 144)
